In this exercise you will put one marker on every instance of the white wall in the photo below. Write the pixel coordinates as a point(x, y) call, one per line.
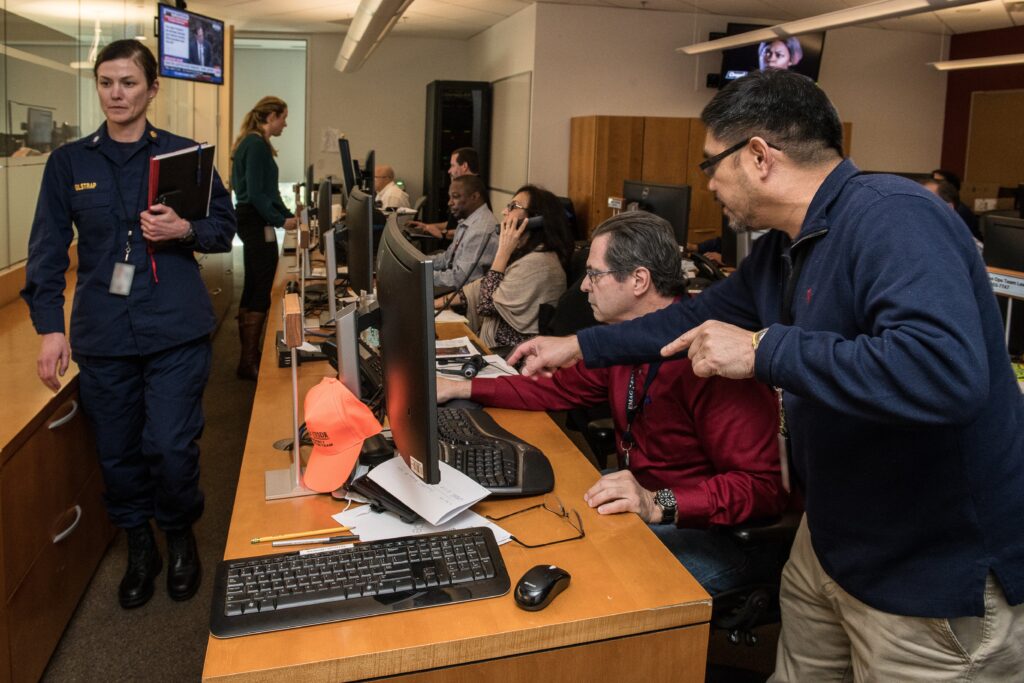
point(383, 105)
point(894, 99)
point(592, 60)
point(261, 72)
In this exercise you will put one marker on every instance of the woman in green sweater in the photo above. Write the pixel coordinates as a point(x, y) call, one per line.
point(259, 209)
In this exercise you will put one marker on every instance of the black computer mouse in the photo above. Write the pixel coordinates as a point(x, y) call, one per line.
point(540, 585)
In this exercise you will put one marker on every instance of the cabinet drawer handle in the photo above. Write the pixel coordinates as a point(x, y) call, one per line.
point(67, 418)
point(217, 291)
point(74, 525)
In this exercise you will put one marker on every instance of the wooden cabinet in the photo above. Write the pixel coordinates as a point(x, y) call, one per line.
point(605, 151)
point(53, 532)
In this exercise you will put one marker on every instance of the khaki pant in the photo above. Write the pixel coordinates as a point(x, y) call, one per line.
point(828, 635)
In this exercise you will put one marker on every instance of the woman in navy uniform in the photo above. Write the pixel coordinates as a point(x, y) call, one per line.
point(141, 318)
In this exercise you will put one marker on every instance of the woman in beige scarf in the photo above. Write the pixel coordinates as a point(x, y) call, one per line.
point(534, 246)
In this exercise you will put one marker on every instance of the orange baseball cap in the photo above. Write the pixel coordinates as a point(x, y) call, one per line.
point(338, 422)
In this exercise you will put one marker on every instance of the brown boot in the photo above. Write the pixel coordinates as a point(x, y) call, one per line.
point(250, 329)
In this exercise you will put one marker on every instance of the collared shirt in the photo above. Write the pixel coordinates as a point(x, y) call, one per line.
point(903, 410)
point(471, 252)
point(392, 196)
point(98, 188)
point(713, 441)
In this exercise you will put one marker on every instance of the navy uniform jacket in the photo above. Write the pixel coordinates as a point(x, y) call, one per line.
point(78, 187)
point(905, 419)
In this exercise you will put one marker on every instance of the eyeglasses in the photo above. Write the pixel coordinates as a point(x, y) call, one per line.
point(708, 165)
point(513, 205)
point(595, 275)
point(552, 504)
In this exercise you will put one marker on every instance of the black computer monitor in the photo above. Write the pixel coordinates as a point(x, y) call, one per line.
point(347, 170)
point(671, 202)
point(1004, 241)
point(308, 196)
point(368, 171)
point(39, 128)
point(1004, 248)
point(323, 205)
point(405, 291)
point(359, 221)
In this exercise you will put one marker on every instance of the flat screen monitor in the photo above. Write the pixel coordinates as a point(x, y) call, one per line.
point(191, 46)
point(308, 201)
point(671, 202)
point(801, 54)
point(347, 171)
point(1004, 241)
point(39, 128)
point(369, 167)
point(1004, 248)
point(405, 291)
point(359, 221)
point(323, 205)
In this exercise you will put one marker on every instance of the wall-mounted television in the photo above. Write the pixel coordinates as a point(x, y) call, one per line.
point(191, 46)
point(801, 54)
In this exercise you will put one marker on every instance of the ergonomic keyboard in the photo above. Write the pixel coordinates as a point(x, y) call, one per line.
point(290, 590)
point(473, 443)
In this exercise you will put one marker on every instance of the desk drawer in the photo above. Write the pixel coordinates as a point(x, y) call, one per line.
point(39, 486)
point(45, 600)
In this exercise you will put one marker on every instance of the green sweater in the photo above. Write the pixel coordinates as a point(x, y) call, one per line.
point(254, 180)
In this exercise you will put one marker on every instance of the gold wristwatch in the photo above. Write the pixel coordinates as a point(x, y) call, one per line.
point(755, 341)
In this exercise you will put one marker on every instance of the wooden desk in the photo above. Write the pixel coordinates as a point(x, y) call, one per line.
point(631, 612)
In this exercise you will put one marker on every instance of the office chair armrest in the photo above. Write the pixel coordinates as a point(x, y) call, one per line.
point(777, 530)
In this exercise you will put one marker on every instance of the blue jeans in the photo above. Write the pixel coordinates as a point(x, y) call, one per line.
point(719, 562)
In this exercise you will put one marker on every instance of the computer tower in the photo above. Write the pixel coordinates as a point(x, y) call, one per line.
point(458, 115)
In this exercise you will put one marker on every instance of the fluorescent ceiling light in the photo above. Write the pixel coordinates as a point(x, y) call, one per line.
point(874, 11)
point(979, 62)
point(373, 20)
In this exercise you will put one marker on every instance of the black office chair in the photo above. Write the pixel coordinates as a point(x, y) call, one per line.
point(741, 610)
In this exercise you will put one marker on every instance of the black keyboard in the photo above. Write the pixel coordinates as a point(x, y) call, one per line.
point(290, 590)
point(473, 443)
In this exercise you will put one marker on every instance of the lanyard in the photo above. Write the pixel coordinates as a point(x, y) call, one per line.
point(114, 175)
point(635, 405)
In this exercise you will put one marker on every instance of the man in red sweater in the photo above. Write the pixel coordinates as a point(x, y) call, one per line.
point(697, 453)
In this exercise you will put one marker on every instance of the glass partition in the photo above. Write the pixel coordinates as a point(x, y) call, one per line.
point(48, 96)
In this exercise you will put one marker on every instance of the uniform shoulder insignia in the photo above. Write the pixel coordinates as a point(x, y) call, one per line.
point(152, 134)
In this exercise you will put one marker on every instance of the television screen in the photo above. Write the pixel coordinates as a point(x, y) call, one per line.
point(191, 46)
point(799, 53)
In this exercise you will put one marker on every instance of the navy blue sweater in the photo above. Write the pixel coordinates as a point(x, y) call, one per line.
point(906, 421)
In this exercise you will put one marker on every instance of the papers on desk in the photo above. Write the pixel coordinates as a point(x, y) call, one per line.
point(460, 347)
point(450, 316)
point(437, 503)
point(496, 367)
point(376, 526)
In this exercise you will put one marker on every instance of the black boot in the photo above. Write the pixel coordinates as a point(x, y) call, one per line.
point(143, 566)
point(183, 568)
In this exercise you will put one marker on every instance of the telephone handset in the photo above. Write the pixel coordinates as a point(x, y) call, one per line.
point(706, 268)
point(532, 223)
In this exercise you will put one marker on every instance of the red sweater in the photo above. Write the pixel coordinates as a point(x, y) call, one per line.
point(712, 441)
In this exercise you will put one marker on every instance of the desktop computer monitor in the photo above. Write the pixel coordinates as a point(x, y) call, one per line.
point(347, 171)
point(308, 196)
point(1004, 241)
point(671, 202)
point(405, 292)
point(359, 221)
point(1004, 248)
point(369, 168)
point(323, 205)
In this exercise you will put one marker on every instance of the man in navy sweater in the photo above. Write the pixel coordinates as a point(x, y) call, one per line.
point(871, 312)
